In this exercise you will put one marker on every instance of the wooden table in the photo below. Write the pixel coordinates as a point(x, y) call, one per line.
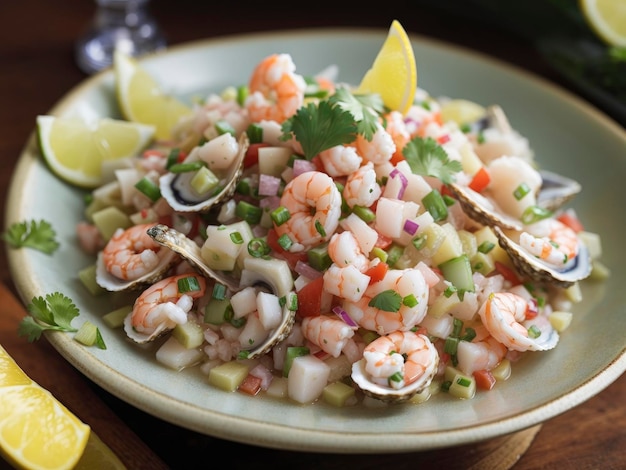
point(37, 68)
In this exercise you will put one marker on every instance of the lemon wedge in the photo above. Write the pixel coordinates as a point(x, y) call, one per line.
point(75, 149)
point(393, 74)
point(462, 111)
point(36, 430)
point(142, 100)
point(607, 18)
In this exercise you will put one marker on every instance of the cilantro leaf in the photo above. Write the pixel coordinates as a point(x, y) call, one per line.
point(319, 127)
point(387, 300)
point(54, 312)
point(427, 158)
point(364, 108)
point(37, 235)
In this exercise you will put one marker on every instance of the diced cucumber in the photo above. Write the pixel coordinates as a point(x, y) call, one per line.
point(204, 181)
point(599, 271)
point(87, 334)
point(463, 386)
point(88, 277)
point(228, 376)
point(108, 220)
point(502, 371)
point(273, 160)
point(468, 242)
point(115, 318)
point(318, 257)
point(217, 311)
point(189, 334)
point(434, 235)
point(482, 263)
point(560, 320)
point(458, 271)
point(219, 250)
point(337, 393)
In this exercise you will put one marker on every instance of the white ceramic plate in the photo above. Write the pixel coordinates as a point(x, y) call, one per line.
point(567, 136)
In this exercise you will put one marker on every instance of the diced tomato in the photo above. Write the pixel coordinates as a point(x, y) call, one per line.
point(571, 221)
point(252, 155)
point(152, 153)
point(484, 379)
point(317, 161)
point(383, 242)
point(443, 139)
point(532, 310)
point(480, 180)
point(377, 273)
point(250, 385)
point(507, 273)
point(166, 220)
point(310, 298)
point(446, 191)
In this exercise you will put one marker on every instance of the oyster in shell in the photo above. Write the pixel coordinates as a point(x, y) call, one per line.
point(177, 191)
point(159, 259)
point(374, 389)
point(272, 273)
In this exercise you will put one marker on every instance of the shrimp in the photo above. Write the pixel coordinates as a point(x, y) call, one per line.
point(276, 92)
point(480, 355)
point(340, 160)
point(132, 253)
point(405, 282)
point(330, 334)
point(504, 315)
point(346, 282)
point(556, 243)
point(378, 150)
point(361, 188)
point(397, 128)
point(385, 358)
point(344, 250)
point(314, 205)
point(162, 306)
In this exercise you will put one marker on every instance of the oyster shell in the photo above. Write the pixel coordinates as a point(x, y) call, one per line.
point(175, 187)
point(256, 271)
point(391, 395)
point(578, 269)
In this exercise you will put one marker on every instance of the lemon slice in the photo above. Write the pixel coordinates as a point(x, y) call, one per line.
point(36, 430)
point(461, 111)
point(607, 18)
point(142, 100)
point(393, 74)
point(75, 149)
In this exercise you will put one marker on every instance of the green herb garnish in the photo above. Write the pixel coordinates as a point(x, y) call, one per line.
point(427, 158)
point(37, 235)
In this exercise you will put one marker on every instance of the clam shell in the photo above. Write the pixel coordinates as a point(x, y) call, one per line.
point(390, 395)
point(175, 187)
point(534, 268)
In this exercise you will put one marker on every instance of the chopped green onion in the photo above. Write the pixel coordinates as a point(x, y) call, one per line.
point(188, 284)
point(534, 332)
point(450, 345)
point(186, 167)
point(449, 200)
point(450, 290)
point(394, 252)
point(219, 291)
point(470, 334)
point(320, 228)
point(238, 322)
point(248, 212)
point(224, 127)
point(236, 238)
point(242, 94)
point(419, 241)
point(243, 354)
point(434, 203)
point(379, 253)
point(457, 326)
point(255, 133)
point(285, 242)
point(396, 377)
point(148, 188)
point(522, 190)
point(258, 247)
point(244, 187)
point(464, 381)
point(534, 214)
point(280, 215)
point(319, 258)
point(410, 301)
point(172, 158)
point(364, 213)
point(481, 138)
point(486, 246)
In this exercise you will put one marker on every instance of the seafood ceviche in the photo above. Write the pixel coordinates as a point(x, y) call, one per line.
point(297, 239)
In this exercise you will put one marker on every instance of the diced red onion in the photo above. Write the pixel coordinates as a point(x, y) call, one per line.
point(306, 270)
point(268, 185)
point(403, 181)
point(302, 166)
point(341, 313)
point(410, 226)
point(270, 202)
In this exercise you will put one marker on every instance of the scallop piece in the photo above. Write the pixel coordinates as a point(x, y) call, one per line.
point(272, 276)
point(576, 270)
point(391, 395)
point(176, 187)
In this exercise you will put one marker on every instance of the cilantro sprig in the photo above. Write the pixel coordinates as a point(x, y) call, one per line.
point(54, 312)
point(427, 158)
point(38, 235)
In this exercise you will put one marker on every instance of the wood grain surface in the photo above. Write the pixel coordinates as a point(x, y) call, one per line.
point(37, 68)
